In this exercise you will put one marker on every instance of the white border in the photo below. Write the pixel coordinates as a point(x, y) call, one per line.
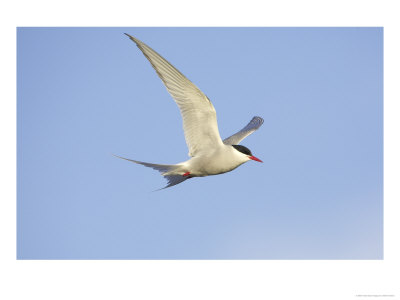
point(197, 279)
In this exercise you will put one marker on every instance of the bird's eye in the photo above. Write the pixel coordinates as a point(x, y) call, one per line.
point(242, 149)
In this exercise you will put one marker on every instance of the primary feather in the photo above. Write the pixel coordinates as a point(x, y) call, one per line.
point(236, 138)
point(198, 114)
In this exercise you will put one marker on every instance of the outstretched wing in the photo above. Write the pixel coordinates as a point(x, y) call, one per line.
point(198, 114)
point(253, 125)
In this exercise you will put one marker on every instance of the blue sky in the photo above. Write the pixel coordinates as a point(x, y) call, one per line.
point(85, 93)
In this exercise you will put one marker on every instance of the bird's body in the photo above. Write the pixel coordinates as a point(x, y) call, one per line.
point(210, 155)
point(217, 161)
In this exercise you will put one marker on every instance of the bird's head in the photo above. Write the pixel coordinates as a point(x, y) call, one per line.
point(246, 151)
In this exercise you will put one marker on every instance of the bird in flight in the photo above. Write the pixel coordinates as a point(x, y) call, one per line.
point(210, 155)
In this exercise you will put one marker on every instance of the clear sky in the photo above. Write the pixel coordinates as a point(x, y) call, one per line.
point(87, 93)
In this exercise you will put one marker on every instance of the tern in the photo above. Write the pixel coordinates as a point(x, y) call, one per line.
point(210, 155)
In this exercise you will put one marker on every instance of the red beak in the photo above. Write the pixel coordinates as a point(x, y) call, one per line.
point(255, 158)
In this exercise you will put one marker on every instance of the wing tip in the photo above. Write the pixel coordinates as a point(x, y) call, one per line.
point(135, 40)
point(258, 117)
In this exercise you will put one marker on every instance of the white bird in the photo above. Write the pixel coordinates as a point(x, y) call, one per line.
point(210, 155)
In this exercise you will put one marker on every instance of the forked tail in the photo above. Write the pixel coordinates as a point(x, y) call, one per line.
point(172, 179)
